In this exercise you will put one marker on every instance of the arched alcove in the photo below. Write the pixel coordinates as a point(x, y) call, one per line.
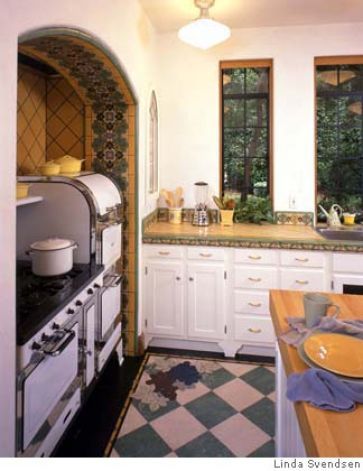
point(109, 129)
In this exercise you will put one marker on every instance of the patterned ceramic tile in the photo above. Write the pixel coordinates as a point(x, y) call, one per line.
point(261, 379)
point(210, 409)
point(238, 394)
point(262, 414)
point(240, 435)
point(265, 451)
point(133, 421)
point(142, 443)
point(205, 446)
point(178, 427)
point(217, 378)
point(184, 396)
point(236, 368)
point(198, 408)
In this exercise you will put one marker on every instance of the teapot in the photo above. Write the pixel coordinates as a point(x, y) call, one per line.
point(333, 217)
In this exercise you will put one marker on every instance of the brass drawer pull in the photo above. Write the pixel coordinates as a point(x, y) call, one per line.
point(254, 279)
point(205, 255)
point(254, 331)
point(302, 282)
point(301, 259)
point(255, 257)
point(255, 304)
point(164, 253)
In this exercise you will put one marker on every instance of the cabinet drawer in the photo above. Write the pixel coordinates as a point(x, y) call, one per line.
point(163, 251)
point(256, 256)
point(302, 280)
point(255, 277)
point(252, 329)
point(251, 302)
point(348, 262)
point(298, 258)
point(205, 253)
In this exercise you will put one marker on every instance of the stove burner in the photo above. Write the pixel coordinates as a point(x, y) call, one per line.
point(38, 292)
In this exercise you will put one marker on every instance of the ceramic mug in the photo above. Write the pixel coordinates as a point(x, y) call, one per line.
point(316, 307)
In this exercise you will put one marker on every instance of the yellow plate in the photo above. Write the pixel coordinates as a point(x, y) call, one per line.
point(338, 353)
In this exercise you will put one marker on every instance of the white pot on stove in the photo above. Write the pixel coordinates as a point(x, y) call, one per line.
point(52, 257)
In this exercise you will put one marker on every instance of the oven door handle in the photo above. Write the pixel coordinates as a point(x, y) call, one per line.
point(62, 345)
point(116, 281)
point(112, 281)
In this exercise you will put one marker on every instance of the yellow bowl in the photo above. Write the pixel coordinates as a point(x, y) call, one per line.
point(49, 169)
point(69, 165)
point(22, 190)
point(349, 218)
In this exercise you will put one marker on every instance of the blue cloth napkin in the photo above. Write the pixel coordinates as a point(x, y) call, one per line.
point(324, 390)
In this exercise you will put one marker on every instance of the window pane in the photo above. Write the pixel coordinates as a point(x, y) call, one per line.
point(245, 131)
point(340, 134)
point(257, 80)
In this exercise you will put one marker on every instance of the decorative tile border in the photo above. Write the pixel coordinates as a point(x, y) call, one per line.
point(111, 134)
point(294, 218)
point(331, 246)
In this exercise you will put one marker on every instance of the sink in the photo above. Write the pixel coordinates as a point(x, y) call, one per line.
point(355, 234)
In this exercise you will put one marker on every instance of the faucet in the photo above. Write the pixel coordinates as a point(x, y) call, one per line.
point(333, 217)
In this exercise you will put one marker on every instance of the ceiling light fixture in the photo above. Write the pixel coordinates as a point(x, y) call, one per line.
point(204, 32)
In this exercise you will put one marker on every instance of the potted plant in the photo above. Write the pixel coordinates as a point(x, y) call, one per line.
point(226, 209)
point(254, 209)
point(352, 206)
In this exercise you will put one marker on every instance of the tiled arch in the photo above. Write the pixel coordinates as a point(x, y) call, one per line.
point(110, 132)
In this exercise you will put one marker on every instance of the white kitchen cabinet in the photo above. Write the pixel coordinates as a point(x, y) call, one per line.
point(348, 273)
point(164, 297)
point(214, 295)
point(205, 305)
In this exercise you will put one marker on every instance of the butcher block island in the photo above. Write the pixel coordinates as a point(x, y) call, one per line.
point(303, 430)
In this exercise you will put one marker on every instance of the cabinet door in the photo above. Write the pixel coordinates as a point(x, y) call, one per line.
point(164, 298)
point(205, 293)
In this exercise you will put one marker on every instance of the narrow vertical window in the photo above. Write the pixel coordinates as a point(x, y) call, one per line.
point(339, 121)
point(246, 128)
point(153, 145)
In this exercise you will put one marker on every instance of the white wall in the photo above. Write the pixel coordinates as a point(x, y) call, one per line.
point(189, 106)
point(122, 26)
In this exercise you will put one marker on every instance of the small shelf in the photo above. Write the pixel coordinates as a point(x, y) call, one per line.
point(28, 200)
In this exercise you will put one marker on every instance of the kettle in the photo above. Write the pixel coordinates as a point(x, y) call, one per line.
point(333, 217)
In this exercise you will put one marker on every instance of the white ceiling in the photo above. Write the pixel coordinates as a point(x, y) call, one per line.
point(170, 15)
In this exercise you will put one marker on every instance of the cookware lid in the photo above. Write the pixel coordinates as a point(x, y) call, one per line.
point(53, 243)
point(50, 164)
point(67, 159)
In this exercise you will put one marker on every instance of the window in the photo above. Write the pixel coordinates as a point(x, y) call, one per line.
point(339, 89)
point(246, 128)
point(153, 145)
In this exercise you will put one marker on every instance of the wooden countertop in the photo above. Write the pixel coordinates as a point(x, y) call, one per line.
point(325, 433)
point(238, 231)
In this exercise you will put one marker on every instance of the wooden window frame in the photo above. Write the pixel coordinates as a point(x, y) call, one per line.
point(326, 60)
point(236, 64)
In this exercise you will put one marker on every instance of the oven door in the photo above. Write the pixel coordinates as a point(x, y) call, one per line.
point(111, 245)
point(46, 380)
point(110, 304)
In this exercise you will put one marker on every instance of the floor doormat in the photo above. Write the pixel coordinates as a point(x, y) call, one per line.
point(191, 407)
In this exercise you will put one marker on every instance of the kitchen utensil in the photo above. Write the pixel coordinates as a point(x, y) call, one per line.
point(179, 196)
point(315, 307)
point(22, 190)
point(69, 165)
point(201, 191)
point(175, 215)
point(51, 257)
point(49, 169)
point(342, 354)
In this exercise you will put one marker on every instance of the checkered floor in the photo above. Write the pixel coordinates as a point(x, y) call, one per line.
point(187, 407)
